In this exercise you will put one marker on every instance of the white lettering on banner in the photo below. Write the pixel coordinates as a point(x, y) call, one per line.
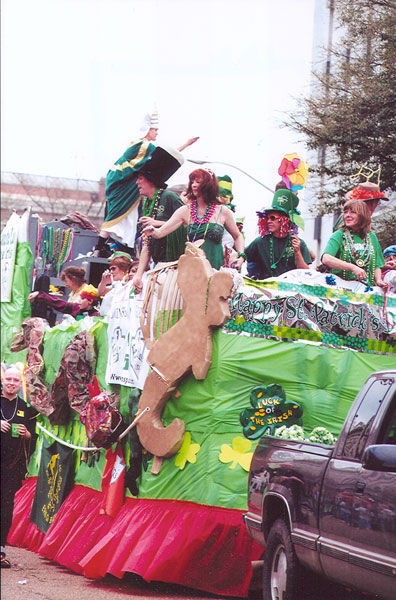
point(126, 363)
point(9, 238)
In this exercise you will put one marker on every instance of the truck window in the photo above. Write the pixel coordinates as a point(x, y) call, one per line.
point(388, 431)
point(359, 431)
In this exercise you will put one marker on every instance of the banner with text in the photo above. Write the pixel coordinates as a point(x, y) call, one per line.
point(315, 311)
point(126, 364)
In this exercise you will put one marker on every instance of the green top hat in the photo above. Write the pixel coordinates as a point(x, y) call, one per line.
point(285, 201)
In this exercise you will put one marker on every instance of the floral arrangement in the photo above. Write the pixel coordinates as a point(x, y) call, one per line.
point(319, 435)
point(293, 171)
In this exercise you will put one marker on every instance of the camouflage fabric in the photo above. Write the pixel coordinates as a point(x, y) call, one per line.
point(76, 370)
point(31, 336)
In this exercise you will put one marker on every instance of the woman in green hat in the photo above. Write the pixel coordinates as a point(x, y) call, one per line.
point(278, 249)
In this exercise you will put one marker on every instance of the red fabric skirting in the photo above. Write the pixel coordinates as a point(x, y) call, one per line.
point(23, 533)
point(76, 529)
point(199, 546)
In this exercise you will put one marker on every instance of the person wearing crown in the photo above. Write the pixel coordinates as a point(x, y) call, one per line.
point(203, 218)
point(353, 252)
point(366, 191)
point(122, 192)
point(278, 249)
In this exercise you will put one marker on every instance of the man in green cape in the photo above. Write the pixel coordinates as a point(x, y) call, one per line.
point(122, 192)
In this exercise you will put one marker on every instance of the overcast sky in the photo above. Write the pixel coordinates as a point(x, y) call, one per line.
point(78, 76)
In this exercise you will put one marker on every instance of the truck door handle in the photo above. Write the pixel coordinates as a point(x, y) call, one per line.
point(360, 485)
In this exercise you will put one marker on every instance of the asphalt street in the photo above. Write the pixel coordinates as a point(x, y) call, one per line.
point(34, 578)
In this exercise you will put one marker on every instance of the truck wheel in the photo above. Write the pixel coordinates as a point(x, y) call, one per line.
point(280, 570)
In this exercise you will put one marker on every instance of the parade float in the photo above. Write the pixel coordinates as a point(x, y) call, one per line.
point(217, 360)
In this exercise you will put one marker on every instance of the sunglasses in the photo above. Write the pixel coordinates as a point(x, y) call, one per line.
point(273, 217)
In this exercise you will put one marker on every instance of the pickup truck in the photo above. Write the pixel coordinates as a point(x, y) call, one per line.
point(330, 509)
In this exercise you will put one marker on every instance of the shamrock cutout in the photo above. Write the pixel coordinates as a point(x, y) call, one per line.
point(270, 410)
point(187, 452)
point(238, 454)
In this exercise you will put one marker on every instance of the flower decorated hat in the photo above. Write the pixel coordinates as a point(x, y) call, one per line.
point(366, 191)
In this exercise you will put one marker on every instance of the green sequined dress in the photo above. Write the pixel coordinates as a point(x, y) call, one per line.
point(212, 233)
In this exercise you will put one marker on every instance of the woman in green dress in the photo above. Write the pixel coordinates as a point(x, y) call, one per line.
point(204, 219)
point(353, 252)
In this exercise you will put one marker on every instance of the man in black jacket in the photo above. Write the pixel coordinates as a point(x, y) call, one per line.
point(17, 442)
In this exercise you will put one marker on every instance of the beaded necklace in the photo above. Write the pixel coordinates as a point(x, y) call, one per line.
point(365, 258)
point(66, 248)
point(50, 250)
point(152, 210)
point(287, 251)
point(57, 245)
point(208, 214)
point(148, 211)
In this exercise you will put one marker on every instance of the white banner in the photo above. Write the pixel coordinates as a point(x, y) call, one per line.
point(126, 363)
point(9, 238)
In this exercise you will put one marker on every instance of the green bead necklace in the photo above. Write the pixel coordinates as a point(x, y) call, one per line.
point(365, 258)
point(152, 210)
point(287, 251)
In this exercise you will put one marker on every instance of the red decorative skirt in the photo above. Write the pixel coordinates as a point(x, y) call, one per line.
point(199, 546)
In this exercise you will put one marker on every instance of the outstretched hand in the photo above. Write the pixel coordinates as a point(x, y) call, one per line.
point(189, 142)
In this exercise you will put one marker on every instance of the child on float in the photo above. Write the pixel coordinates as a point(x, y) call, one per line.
point(389, 269)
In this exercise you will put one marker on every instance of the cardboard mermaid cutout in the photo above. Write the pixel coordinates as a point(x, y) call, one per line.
point(185, 347)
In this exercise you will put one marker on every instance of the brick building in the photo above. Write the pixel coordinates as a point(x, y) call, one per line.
point(51, 197)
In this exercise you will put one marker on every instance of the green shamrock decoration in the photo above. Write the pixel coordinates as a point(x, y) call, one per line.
point(270, 410)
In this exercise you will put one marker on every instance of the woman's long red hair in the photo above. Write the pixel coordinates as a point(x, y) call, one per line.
point(209, 188)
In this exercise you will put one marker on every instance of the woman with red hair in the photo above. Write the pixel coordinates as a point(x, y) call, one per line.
point(204, 219)
point(278, 249)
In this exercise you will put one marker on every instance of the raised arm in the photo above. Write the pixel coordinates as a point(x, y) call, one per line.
point(189, 142)
point(105, 283)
